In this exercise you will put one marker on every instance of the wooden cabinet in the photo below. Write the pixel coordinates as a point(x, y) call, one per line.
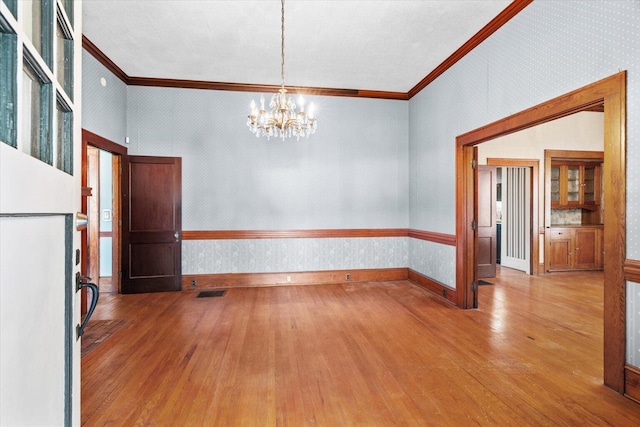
point(575, 248)
point(575, 185)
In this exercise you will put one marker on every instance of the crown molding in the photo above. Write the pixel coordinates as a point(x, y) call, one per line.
point(103, 59)
point(509, 12)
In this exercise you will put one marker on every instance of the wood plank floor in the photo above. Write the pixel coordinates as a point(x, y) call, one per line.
point(368, 354)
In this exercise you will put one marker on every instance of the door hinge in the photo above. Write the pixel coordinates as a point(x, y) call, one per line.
point(474, 163)
point(474, 225)
point(474, 286)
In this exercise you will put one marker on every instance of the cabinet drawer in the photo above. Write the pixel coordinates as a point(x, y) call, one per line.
point(559, 233)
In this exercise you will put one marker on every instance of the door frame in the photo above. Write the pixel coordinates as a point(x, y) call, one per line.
point(610, 92)
point(118, 151)
point(534, 230)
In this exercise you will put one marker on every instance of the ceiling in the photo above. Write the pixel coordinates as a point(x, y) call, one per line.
point(351, 44)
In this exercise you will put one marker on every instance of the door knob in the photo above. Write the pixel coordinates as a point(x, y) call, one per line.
point(81, 221)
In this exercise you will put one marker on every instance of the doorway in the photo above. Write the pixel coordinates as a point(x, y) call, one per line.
point(610, 92)
point(101, 201)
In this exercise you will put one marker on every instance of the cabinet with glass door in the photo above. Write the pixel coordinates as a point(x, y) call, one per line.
point(575, 185)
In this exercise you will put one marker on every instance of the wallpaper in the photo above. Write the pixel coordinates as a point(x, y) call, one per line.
point(293, 255)
point(352, 173)
point(103, 101)
point(433, 260)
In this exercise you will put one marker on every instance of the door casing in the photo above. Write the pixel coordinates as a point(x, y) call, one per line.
point(611, 93)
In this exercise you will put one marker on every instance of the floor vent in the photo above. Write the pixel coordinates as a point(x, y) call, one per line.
point(484, 282)
point(211, 294)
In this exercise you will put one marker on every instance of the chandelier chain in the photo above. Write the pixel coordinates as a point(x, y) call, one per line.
point(282, 45)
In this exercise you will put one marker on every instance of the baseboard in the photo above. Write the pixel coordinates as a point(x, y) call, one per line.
point(105, 284)
point(243, 280)
point(434, 286)
point(632, 382)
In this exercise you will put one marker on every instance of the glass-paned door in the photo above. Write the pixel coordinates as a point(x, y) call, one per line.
point(573, 184)
point(64, 59)
point(589, 184)
point(37, 22)
point(64, 140)
point(36, 112)
point(8, 82)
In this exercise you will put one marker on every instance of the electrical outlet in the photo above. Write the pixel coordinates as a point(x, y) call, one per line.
point(288, 279)
point(193, 283)
point(348, 276)
point(444, 292)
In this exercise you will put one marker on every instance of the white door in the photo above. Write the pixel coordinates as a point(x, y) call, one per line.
point(40, 167)
point(516, 219)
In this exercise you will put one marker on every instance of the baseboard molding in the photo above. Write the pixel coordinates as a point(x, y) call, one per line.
point(105, 284)
point(632, 382)
point(434, 286)
point(244, 280)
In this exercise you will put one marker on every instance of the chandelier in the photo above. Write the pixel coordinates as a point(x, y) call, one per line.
point(282, 120)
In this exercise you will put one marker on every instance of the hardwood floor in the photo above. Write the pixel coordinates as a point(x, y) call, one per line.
point(367, 354)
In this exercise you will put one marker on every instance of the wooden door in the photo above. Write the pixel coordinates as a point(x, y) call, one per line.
point(560, 250)
point(152, 224)
point(486, 241)
point(586, 242)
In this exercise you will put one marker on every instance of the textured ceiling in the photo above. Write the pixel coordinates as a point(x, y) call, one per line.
point(351, 44)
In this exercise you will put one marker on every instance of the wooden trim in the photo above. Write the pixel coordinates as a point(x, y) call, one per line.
point(434, 286)
point(103, 143)
point(632, 382)
point(106, 234)
point(534, 164)
point(116, 247)
point(512, 10)
point(105, 284)
point(103, 59)
point(291, 234)
point(97, 141)
point(611, 92)
point(93, 243)
point(445, 239)
point(246, 87)
point(431, 236)
point(251, 280)
point(632, 270)
point(574, 155)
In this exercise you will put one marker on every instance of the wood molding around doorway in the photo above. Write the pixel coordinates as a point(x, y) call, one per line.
point(91, 139)
point(610, 92)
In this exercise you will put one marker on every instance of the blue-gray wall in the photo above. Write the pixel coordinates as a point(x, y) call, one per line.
point(104, 108)
point(353, 173)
